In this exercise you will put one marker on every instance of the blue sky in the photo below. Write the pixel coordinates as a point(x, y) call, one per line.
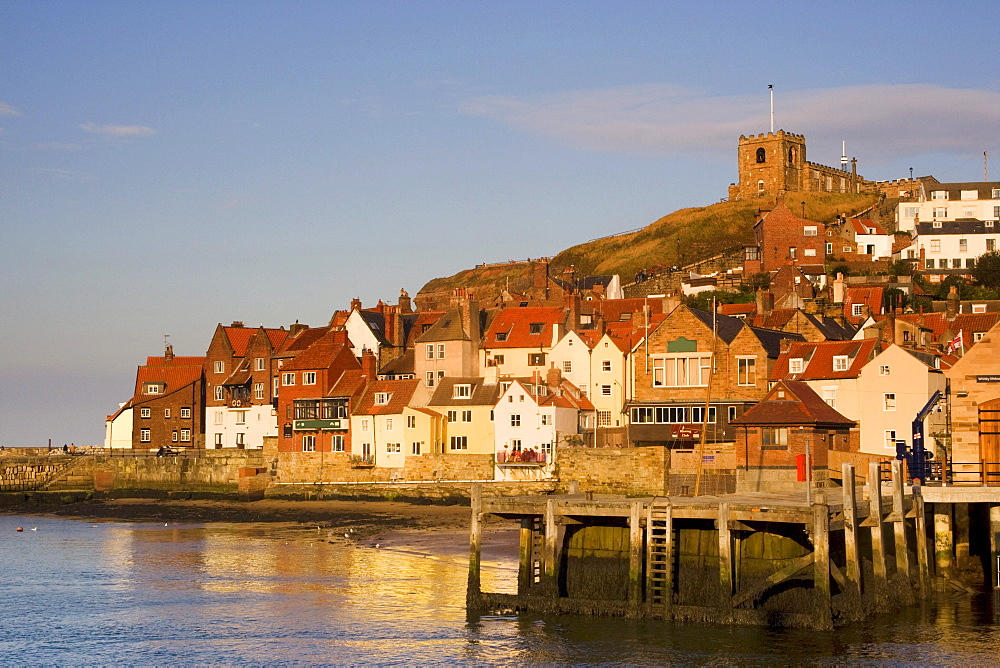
point(165, 166)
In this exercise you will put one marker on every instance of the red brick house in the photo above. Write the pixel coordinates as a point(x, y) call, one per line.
point(791, 430)
point(168, 403)
point(784, 238)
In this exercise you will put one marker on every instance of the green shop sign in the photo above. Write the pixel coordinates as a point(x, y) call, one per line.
point(312, 425)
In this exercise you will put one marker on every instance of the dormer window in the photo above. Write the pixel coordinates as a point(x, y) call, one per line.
point(152, 388)
point(857, 310)
point(462, 391)
point(382, 398)
point(501, 336)
point(840, 363)
point(939, 194)
point(535, 328)
point(979, 308)
point(810, 231)
point(795, 365)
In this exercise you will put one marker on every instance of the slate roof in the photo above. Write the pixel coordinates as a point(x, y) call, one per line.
point(401, 365)
point(791, 403)
point(481, 394)
point(447, 327)
point(727, 327)
point(983, 188)
point(771, 339)
point(818, 359)
point(413, 324)
point(401, 392)
point(961, 226)
point(376, 323)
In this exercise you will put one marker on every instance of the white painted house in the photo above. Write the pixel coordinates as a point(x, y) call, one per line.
point(944, 202)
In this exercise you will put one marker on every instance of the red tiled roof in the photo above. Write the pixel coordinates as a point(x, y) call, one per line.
point(940, 326)
point(238, 337)
point(172, 375)
point(516, 324)
point(423, 318)
point(818, 359)
point(302, 340)
point(178, 361)
point(872, 296)
point(792, 402)
point(737, 309)
point(612, 309)
point(350, 383)
point(400, 391)
point(862, 225)
point(321, 354)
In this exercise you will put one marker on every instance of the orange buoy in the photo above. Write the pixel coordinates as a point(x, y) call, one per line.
point(20, 528)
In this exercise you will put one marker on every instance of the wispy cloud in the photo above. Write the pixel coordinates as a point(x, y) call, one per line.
point(118, 130)
point(7, 110)
point(657, 119)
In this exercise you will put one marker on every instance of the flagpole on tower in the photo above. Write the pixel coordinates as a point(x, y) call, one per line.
point(770, 89)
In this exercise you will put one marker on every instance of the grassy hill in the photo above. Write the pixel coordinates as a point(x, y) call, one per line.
point(678, 238)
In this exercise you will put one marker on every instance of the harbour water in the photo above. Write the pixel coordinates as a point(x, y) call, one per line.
point(78, 592)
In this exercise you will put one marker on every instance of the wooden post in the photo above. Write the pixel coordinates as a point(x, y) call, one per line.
point(961, 533)
point(525, 568)
point(923, 551)
point(821, 564)
point(942, 540)
point(552, 552)
point(995, 543)
point(725, 552)
point(899, 523)
point(635, 556)
point(473, 592)
point(851, 547)
point(875, 514)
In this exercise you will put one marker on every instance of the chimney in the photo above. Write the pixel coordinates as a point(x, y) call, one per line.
point(889, 333)
point(168, 354)
point(394, 326)
point(553, 378)
point(670, 302)
point(369, 365)
point(468, 311)
point(572, 304)
point(296, 329)
point(838, 289)
point(355, 304)
point(953, 302)
point(765, 303)
point(540, 276)
point(404, 302)
point(237, 323)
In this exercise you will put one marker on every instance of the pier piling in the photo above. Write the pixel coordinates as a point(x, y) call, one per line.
point(875, 522)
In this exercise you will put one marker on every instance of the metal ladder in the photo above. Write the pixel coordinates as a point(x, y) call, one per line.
point(659, 554)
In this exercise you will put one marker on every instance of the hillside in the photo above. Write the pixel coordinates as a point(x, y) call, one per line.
point(678, 238)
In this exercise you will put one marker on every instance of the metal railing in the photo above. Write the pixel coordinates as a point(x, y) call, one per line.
point(943, 474)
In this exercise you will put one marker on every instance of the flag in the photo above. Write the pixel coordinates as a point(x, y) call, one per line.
point(956, 343)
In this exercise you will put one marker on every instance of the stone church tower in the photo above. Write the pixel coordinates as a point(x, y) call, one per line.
point(770, 164)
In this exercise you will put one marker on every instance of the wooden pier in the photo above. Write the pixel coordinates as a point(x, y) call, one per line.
point(760, 559)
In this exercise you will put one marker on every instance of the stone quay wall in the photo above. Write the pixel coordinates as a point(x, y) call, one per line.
point(629, 471)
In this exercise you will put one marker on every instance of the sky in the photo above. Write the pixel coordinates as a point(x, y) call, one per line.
point(166, 166)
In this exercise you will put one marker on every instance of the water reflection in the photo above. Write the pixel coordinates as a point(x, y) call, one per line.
point(266, 594)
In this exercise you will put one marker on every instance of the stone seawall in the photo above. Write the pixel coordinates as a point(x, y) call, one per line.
point(18, 474)
point(629, 471)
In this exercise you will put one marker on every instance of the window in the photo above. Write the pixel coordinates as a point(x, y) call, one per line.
point(218, 417)
point(274, 385)
point(698, 412)
point(930, 264)
point(308, 443)
point(498, 360)
point(978, 336)
point(567, 366)
point(220, 366)
point(940, 212)
point(732, 413)
point(761, 158)
point(605, 390)
point(890, 438)
point(153, 388)
point(144, 435)
point(258, 364)
point(963, 245)
point(458, 443)
point(544, 420)
point(440, 374)
point(847, 249)
point(501, 336)
point(388, 424)
point(681, 371)
point(218, 440)
point(603, 418)
point(642, 415)
point(258, 391)
point(462, 391)
point(857, 310)
point(809, 252)
point(829, 248)
point(970, 194)
point(411, 421)
point(792, 251)
point(605, 365)
point(775, 437)
point(382, 398)
point(429, 378)
point(883, 370)
point(535, 327)
point(840, 362)
point(337, 443)
point(969, 212)
point(991, 244)
point(173, 436)
point(911, 212)
point(145, 412)
point(186, 436)
point(830, 396)
point(452, 416)
point(429, 351)
point(515, 420)
point(440, 351)
point(415, 448)
point(810, 231)
point(166, 413)
point(309, 378)
point(795, 365)
point(746, 372)
point(939, 194)
point(466, 416)
point(241, 417)
point(536, 359)
point(364, 425)
point(393, 447)
point(979, 308)
point(288, 379)
point(889, 401)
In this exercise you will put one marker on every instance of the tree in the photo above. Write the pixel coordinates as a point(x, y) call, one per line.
point(987, 270)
